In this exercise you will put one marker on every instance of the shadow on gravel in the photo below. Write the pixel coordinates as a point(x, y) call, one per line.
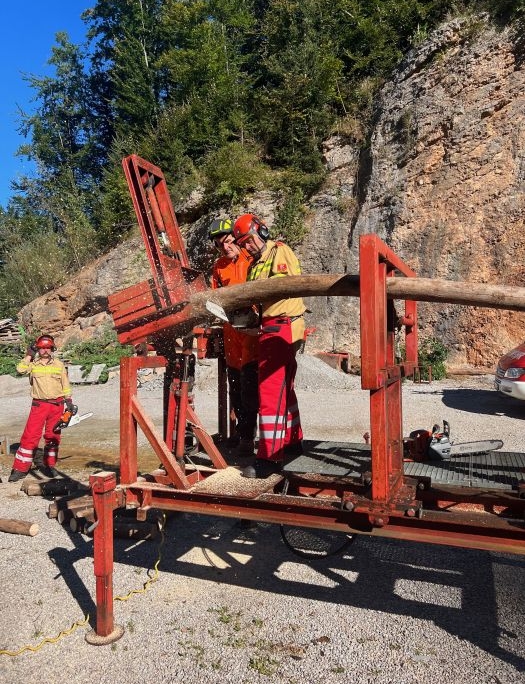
point(481, 401)
point(471, 594)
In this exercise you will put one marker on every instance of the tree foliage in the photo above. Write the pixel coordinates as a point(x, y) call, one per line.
point(231, 95)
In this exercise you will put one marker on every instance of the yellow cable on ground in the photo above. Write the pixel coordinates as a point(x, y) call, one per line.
point(81, 623)
point(47, 640)
point(151, 579)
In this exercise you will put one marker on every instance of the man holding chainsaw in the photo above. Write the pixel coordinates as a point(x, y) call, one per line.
point(240, 349)
point(280, 336)
point(51, 394)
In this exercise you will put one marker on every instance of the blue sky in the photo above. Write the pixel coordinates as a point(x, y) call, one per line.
point(27, 36)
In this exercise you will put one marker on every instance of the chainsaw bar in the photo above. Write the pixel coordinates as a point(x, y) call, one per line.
point(77, 419)
point(445, 450)
point(217, 310)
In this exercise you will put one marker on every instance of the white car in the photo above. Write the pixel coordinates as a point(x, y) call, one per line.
point(510, 373)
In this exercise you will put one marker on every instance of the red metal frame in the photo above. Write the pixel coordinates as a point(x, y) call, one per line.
point(180, 415)
point(379, 371)
point(394, 506)
point(148, 309)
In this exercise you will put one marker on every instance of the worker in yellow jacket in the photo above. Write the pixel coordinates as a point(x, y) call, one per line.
point(280, 336)
point(50, 391)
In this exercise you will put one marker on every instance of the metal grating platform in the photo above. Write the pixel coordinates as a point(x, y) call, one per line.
point(336, 459)
point(491, 470)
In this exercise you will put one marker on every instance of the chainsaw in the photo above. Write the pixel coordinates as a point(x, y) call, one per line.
point(69, 418)
point(435, 445)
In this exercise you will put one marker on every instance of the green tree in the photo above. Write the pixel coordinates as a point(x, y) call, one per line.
point(125, 42)
point(296, 86)
point(202, 65)
point(60, 130)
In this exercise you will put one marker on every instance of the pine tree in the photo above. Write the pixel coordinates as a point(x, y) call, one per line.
point(124, 36)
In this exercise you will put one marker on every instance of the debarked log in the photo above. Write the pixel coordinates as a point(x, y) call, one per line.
point(18, 527)
point(329, 285)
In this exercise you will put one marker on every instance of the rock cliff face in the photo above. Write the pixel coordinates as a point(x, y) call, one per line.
point(77, 311)
point(446, 189)
point(442, 184)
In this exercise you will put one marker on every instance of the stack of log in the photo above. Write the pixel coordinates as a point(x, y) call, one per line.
point(73, 507)
point(76, 511)
point(9, 332)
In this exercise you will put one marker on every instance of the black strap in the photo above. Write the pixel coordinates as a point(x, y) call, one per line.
point(55, 402)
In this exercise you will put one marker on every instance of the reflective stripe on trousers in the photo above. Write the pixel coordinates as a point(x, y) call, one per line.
point(43, 417)
point(279, 419)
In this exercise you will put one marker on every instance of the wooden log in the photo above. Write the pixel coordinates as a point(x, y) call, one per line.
point(4, 445)
point(325, 285)
point(64, 516)
point(72, 503)
point(329, 285)
point(134, 529)
point(18, 527)
point(79, 522)
point(52, 487)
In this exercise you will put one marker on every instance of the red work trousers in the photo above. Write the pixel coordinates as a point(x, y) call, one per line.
point(43, 417)
point(279, 419)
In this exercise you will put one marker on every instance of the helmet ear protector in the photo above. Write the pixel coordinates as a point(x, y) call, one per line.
point(45, 342)
point(262, 228)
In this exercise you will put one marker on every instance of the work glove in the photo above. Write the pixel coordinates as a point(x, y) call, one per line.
point(68, 401)
point(32, 351)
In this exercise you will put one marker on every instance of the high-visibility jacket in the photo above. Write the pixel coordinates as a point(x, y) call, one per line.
point(278, 260)
point(49, 387)
point(47, 380)
point(239, 348)
point(282, 327)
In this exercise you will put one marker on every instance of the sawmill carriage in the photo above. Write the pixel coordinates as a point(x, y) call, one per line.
point(395, 486)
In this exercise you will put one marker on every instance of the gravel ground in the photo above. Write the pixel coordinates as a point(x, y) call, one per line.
point(233, 604)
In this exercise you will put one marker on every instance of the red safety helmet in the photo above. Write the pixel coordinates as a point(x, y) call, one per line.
point(45, 342)
point(249, 224)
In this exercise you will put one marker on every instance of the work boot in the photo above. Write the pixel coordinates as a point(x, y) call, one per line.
point(233, 441)
point(16, 476)
point(246, 448)
point(262, 468)
point(49, 471)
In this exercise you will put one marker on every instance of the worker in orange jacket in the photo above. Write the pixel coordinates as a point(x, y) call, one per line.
point(281, 335)
point(240, 349)
point(50, 391)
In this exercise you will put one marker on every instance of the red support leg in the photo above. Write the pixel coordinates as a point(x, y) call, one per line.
point(103, 490)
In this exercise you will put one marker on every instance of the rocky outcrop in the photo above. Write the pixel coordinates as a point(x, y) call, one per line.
point(441, 183)
point(447, 172)
point(78, 310)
